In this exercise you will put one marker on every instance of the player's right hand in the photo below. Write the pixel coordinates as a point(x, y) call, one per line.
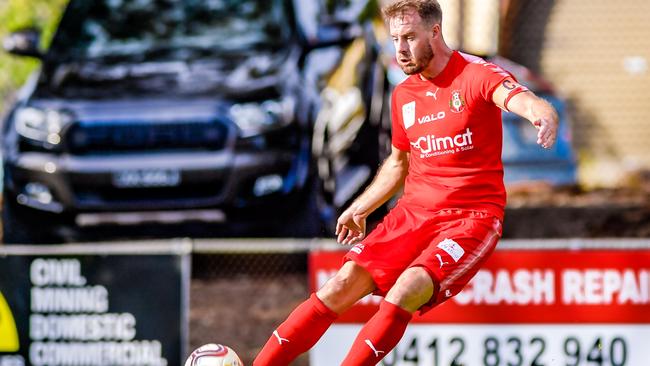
point(350, 227)
point(547, 131)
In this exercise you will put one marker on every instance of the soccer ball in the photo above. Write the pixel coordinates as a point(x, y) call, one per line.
point(212, 354)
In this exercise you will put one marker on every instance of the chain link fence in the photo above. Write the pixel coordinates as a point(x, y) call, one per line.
point(595, 53)
point(242, 290)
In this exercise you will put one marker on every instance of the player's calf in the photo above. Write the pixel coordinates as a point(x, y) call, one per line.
point(379, 336)
point(297, 334)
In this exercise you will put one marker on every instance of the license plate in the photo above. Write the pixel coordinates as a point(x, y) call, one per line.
point(141, 178)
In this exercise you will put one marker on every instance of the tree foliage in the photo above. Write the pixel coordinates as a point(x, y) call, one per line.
point(20, 14)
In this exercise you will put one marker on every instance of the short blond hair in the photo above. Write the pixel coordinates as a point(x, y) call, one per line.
point(428, 10)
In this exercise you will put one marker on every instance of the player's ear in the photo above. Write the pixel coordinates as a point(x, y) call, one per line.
point(436, 30)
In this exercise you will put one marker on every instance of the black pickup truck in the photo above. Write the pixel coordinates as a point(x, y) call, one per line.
point(167, 112)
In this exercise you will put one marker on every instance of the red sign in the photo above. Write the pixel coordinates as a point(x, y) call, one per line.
point(532, 286)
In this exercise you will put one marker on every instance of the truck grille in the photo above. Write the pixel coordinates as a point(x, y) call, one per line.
point(188, 195)
point(115, 137)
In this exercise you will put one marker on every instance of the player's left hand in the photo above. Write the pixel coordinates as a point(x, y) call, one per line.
point(547, 131)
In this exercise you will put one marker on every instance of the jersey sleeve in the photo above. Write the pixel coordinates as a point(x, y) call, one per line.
point(489, 77)
point(399, 138)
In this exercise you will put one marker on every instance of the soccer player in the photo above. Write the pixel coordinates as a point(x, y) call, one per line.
point(446, 153)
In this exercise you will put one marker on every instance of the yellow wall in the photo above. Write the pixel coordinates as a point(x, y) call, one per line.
point(596, 53)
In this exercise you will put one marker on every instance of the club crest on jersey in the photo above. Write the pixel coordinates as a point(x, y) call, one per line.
point(457, 102)
point(408, 114)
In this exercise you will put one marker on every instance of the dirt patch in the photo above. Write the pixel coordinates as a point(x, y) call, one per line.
point(539, 212)
point(242, 312)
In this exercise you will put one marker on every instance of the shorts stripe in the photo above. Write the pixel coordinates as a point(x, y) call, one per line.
point(478, 253)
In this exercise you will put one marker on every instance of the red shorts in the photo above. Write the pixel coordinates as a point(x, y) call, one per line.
point(450, 244)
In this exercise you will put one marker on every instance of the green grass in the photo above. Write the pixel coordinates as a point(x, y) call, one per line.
point(19, 14)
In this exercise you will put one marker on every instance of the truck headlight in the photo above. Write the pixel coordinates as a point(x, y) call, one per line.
point(41, 125)
point(255, 118)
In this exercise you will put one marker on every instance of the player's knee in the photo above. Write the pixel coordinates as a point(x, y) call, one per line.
point(349, 284)
point(413, 288)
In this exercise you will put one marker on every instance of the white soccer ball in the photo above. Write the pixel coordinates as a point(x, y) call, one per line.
point(212, 354)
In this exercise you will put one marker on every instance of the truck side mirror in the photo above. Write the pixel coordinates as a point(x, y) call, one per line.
point(24, 42)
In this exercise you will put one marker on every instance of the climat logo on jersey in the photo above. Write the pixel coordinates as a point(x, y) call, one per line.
point(431, 145)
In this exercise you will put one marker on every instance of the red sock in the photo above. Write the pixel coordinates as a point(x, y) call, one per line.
point(379, 336)
point(302, 329)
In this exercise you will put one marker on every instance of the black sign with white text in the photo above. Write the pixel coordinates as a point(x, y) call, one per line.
point(92, 310)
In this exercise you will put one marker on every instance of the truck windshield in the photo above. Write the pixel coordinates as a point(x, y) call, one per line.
point(168, 29)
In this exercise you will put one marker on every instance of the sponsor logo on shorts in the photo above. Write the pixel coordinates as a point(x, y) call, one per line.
point(452, 248)
point(448, 293)
point(357, 248)
point(442, 263)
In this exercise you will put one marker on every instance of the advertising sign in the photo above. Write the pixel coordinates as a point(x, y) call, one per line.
point(558, 306)
point(86, 307)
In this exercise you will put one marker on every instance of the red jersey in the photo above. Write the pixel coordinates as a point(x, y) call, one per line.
point(452, 129)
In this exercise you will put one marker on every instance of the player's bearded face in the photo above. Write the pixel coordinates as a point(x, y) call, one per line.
point(411, 37)
point(415, 61)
